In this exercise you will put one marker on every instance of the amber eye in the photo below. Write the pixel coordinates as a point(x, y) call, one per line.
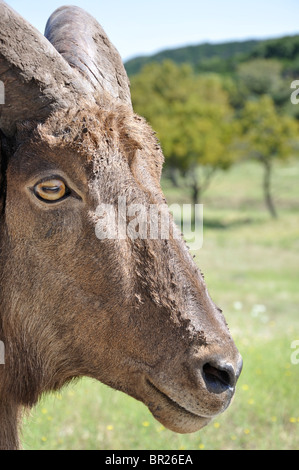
point(52, 190)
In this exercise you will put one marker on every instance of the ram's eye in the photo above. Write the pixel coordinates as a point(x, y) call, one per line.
point(52, 190)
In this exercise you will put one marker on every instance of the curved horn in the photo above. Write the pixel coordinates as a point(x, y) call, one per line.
point(37, 80)
point(80, 39)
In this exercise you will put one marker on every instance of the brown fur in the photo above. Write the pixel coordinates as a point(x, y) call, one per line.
point(135, 315)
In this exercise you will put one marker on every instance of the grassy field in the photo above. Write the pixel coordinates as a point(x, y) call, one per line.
point(251, 265)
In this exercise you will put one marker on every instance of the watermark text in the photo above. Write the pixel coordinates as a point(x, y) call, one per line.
point(153, 221)
point(295, 94)
point(295, 354)
point(2, 353)
point(2, 93)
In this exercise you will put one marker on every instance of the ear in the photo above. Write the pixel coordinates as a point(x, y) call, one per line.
point(83, 43)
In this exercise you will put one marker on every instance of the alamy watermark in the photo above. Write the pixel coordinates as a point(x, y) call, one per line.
point(295, 354)
point(121, 221)
point(2, 93)
point(2, 353)
point(295, 95)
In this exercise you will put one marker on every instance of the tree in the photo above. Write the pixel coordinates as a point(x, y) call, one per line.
point(268, 137)
point(192, 117)
point(261, 76)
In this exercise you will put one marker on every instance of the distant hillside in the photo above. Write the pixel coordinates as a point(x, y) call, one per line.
point(223, 57)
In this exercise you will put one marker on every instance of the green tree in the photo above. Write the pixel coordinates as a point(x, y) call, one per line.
point(261, 76)
point(192, 117)
point(268, 137)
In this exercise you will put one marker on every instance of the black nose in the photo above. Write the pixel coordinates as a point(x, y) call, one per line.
point(220, 376)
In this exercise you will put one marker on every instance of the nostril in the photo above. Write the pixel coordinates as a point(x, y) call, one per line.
point(212, 373)
point(218, 378)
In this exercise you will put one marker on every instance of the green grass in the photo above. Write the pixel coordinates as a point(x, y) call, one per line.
point(251, 266)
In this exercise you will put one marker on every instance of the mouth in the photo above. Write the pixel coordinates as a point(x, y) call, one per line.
point(173, 415)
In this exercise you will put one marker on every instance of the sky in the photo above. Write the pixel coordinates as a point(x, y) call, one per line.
point(142, 27)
